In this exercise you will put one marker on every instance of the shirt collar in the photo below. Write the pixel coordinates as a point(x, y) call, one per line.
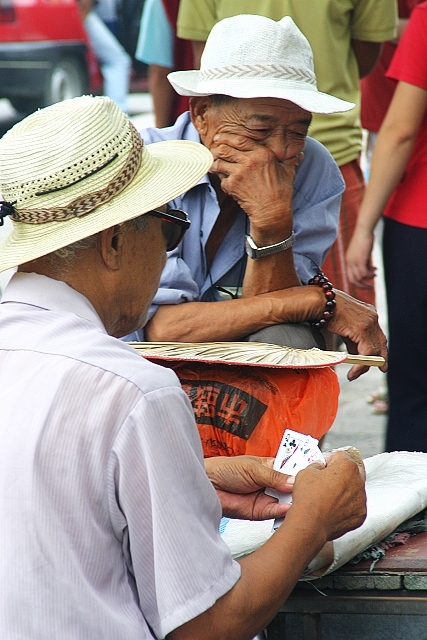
point(47, 293)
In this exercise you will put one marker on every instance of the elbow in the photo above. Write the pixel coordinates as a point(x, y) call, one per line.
point(399, 131)
point(165, 326)
point(156, 331)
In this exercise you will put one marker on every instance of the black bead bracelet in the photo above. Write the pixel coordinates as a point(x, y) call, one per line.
point(322, 281)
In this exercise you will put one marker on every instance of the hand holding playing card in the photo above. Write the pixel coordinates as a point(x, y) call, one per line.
point(240, 482)
point(334, 496)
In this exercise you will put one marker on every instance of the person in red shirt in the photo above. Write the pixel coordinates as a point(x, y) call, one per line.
point(376, 88)
point(397, 189)
point(376, 94)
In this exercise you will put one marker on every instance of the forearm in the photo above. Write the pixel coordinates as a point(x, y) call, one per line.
point(268, 577)
point(263, 187)
point(367, 54)
point(162, 93)
point(270, 273)
point(198, 47)
point(392, 151)
point(327, 502)
point(233, 319)
point(390, 157)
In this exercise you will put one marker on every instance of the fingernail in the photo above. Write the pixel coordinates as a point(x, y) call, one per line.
point(291, 480)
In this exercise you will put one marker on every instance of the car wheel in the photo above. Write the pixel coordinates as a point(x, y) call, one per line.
point(67, 79)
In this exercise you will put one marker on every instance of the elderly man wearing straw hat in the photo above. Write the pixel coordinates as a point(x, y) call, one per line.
point(109, 523)
point(272, 193)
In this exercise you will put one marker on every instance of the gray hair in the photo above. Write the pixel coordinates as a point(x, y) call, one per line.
point(66, 256)
point(218, 99)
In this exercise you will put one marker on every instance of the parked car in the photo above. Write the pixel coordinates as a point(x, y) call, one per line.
point(44, 53)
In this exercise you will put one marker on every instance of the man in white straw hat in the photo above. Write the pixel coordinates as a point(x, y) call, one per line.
point(109, 523)
point(272, 193)
point(346, 39)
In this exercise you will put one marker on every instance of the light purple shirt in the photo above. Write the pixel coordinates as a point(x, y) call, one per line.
point(109, 524)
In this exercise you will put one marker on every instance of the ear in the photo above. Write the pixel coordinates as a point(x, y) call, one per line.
point(199, 108)
point(110, 246)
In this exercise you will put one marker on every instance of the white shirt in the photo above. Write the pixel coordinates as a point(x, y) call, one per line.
point(108, 520)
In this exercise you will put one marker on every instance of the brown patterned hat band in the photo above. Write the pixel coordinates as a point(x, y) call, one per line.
point(87, 202)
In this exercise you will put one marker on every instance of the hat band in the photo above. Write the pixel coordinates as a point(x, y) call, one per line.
point(256, 71)
point(88, 202)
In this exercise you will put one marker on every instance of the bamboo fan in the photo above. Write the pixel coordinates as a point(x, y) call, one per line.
point(251, 354)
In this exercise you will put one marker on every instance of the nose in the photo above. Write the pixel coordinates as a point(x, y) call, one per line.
point(285, 147)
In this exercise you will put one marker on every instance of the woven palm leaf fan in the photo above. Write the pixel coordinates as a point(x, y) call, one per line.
point(251, 354)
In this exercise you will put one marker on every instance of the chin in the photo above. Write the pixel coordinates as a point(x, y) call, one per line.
point(126, 326)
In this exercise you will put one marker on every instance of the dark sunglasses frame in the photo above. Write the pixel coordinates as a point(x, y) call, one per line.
point(170, 218)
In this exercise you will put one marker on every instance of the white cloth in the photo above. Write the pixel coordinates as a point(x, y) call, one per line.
point(396, 488)
point(108, 520)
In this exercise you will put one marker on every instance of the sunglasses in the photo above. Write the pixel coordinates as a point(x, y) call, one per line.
point(174, 225)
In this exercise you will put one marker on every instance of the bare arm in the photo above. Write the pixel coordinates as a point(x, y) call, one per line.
point(198, 47)
point(393, 148)
point(263, 186)
point(326, 503)
point(367, 54)
point(162, 93)
point(233, 319)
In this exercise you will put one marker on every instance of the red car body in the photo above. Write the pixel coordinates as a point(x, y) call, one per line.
point(44, 53)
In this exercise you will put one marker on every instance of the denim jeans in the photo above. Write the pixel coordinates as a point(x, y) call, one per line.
point(115, 63)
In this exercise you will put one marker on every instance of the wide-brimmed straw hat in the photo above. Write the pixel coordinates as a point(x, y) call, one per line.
point(250, 56)
point(80, 166)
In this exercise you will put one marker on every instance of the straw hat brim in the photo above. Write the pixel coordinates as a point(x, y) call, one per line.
point(187, 83)
point(168, 170)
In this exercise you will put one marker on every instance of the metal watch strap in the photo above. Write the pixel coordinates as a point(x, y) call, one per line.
point(255, 252)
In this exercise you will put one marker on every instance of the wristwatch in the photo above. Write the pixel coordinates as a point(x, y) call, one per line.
point(255, 253)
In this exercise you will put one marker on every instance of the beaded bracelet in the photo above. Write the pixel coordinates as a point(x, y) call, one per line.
point(322, 281)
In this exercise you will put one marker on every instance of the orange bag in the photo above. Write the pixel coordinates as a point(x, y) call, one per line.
point(242, 409)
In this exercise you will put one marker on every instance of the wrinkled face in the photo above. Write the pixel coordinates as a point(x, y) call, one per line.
point(278, 124)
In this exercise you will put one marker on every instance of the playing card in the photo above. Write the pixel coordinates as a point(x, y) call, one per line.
point(291, 443)
point(296, 452)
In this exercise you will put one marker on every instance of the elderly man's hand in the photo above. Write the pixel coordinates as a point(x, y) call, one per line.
point(263, 187)
point(240, 482)
point(334, 496)
point(357, 323)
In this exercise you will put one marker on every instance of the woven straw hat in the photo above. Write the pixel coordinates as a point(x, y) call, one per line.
point(80, 166)
point(250, 56)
